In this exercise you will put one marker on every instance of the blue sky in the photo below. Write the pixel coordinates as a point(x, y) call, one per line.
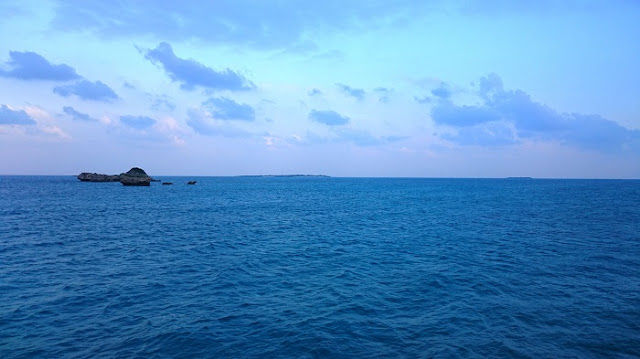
point(344, 88)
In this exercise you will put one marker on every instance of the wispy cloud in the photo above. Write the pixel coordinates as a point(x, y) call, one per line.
point(314, 92)
point(14, 117)
point(340, 134)
point(330, 118)
point(56, 132)
point(489, 134)
point(87, 90)
point(203, 123)
point(383, 94)
point(78, 116)
point(463, 116)
point(358, 137)
point(163, 103)
point(191, 73)
point(224, 108)
point(423, 100)
point(256, 24)
point(353, 92)
point(443, 91)
point(31, 66)
point(137, 122)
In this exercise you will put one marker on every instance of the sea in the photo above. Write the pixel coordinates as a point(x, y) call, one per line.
point(319, 267)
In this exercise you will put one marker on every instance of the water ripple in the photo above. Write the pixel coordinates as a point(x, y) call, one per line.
point(319, 267)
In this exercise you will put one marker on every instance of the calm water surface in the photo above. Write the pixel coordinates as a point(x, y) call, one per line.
point(320, 268)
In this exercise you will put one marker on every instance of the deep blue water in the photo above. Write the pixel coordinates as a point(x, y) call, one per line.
point(320, 268)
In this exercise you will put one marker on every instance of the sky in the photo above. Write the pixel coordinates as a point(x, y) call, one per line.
point(369, 88)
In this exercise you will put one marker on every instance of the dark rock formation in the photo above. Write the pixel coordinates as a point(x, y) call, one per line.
point(191, 182)
point(97, 177)
point(167, 183)
point(135, 177)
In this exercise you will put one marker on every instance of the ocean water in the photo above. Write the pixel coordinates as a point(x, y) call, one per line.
point(309, 267)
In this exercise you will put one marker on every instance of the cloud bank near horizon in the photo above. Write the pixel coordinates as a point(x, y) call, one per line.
point(509, 116)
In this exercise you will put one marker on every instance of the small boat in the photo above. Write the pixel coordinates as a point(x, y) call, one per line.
point(191, 182)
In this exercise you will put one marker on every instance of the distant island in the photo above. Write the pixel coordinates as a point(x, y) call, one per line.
point(519, 177)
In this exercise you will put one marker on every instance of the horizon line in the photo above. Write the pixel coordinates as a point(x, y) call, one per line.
point(363, 177)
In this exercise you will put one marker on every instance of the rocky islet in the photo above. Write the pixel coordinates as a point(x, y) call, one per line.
point(136, 176)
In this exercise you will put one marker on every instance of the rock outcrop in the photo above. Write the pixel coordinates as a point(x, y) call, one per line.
point(135, 177)
point(97, 177)
point(191, 182)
